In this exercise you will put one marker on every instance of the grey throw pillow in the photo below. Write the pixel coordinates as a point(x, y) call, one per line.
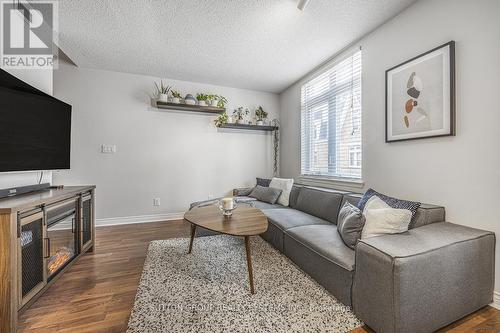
point(266, 194)
point(350, 224)
point(264, 182)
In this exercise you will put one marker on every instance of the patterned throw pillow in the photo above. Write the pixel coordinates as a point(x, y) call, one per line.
point(264, 182)
point(412, 206)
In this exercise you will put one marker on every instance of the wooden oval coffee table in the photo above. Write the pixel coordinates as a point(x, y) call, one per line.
point(246, 221)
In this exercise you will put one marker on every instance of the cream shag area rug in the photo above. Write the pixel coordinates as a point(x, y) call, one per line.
point(208, 291)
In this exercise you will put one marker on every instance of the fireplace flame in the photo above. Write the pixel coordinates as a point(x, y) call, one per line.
point(62, 256)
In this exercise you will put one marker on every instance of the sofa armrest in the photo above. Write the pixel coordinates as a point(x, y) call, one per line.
point(242, 191)
point(424, 279)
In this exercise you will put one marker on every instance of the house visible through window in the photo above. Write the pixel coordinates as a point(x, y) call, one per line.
point(331, 121)
point(355, 157)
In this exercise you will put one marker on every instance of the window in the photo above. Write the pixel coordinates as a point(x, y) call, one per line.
point(355, 156)
point(331, 121)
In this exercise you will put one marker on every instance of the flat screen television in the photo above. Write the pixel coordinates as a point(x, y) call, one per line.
point(35, 130)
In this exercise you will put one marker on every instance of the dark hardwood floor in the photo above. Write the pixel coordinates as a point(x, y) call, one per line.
point(97, 293)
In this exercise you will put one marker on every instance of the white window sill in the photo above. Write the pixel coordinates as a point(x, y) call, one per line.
point(332, 182)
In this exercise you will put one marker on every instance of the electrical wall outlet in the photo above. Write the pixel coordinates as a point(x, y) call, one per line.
point(108, 149)
point(156, 202)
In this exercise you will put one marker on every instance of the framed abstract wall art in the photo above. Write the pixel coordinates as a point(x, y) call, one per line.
point(420, 96)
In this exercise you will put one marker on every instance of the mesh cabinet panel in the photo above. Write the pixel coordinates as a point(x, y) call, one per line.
point(86, 221)
point(32, 255)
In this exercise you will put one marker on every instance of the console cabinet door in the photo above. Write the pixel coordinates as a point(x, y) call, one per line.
point(32, 249)
point(86, 223)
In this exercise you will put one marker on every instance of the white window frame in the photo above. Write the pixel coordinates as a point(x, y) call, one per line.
point(333, 180)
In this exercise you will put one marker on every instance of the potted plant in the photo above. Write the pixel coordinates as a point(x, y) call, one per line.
point(221, 101)
point(202, 99)
point(176, 96)
point(261, 115)
point(190, 100)
point(239, 114)
point(212, 100)
point(221, 119)
point(162, 92)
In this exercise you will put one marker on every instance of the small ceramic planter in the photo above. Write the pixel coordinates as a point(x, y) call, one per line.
point(259, 122)
point(163, 98)
point(176, 100)
point(202, 103)
point(214, 103)
point(190, 100)
point(240, 121)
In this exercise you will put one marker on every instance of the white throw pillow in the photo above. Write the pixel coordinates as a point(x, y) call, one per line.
point(285, 185)
point(381, 219)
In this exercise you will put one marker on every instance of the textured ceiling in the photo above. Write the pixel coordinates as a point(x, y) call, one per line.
point(257, 44)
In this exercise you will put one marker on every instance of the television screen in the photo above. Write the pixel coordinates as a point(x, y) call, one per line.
point(35, 132)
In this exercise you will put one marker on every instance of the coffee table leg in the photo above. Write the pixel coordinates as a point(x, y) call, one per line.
point(249, 264)
point(193, 232)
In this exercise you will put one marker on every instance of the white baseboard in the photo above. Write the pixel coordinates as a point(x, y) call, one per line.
point(138, 219)
point(496, 300)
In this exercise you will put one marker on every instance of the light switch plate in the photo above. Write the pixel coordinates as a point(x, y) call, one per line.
point(108, 149)
point(156, 202)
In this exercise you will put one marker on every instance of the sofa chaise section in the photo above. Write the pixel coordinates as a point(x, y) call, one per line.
point(424, 279)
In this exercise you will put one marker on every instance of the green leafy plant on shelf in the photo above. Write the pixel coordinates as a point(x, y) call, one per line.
point(240, 113)
point(162, 91)
point(175, 94)
point(222, 101)
point(260, 113)
point(221, 119)
point(201, 97)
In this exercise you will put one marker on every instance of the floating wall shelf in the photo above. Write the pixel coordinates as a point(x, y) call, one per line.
point(191, 108)
point(249, 127)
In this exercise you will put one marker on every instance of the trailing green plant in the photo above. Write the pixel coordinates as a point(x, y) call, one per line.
point(221, 119)
point(201, 97)
point(175, 94)
point(162, 89)
point(239, 113)
point(222, 101)
point(260, 113)
point(276, 145)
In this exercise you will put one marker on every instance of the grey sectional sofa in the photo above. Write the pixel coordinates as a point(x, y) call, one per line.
point(418, 281)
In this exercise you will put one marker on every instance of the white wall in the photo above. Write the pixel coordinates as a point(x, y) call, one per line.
point(178, 157)
point(42, 80)
point(463, 172)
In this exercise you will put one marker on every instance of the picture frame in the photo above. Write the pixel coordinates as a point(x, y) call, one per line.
point(420, 96)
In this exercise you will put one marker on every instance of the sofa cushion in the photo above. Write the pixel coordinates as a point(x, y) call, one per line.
point(350, 224)
point(294, 195)
point(289, 218)
point(263, 182)
point(412, 206)
point(382, 219)
point(266, 194)
point(426, 213)
point(264, 205)
point(321, 203)
point(243, 191)
point(326, 241)
point(285, 185)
